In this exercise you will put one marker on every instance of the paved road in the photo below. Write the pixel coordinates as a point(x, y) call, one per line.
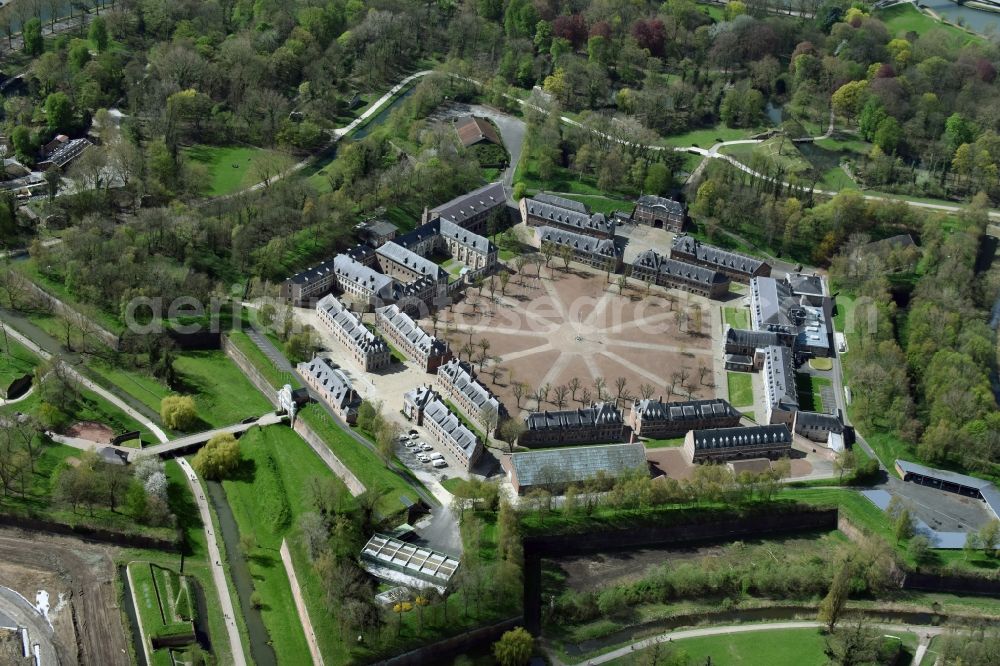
point(24, 614)
point(181, 443)
point(923, 632)
point(218, 572)
point(101, 391)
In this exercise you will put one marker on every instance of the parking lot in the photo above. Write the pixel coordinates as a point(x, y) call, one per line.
point(941, 510)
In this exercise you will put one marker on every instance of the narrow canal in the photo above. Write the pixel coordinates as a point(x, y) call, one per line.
point(260, 646)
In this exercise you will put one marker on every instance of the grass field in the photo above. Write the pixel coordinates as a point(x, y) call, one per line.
point(266, 498)
point(706, 138)
point(602, 204)
point(778, 647)
point(230, 168)
point(15, 361)
point(737, 317)
point(822, 364)
point(563, 180)
point(365, 464)
point(663, 443)
point(163, 602)
point(809, 389)
point(902, 19)
point(740, 388)
point(223, 395)
point(779, 152)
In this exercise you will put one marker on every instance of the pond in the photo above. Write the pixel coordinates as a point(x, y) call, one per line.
point(975, 19)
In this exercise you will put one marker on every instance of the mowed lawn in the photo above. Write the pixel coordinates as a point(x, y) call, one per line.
point(740, 388)
point(230, 168)
point(266, 498)
point(778, 647)
point(361, 460)
point(902, 19)
point(737, 317)
point(223, 395)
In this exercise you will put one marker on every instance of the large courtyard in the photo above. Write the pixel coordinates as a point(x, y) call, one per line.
point(556, 325)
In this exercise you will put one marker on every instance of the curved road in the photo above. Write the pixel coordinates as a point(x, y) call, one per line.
point(711, 153)
point(923, 633)
point(88, 384)
point(24, 614)
point(215, 561)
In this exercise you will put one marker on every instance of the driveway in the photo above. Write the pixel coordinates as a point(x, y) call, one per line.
point(512, 131)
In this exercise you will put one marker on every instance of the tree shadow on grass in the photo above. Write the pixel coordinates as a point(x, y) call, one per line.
point(181, 503)
point(245, 472)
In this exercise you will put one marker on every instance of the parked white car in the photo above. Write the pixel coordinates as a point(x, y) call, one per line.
point(424, 446)
point(437, 456)
point(440, 462)
point(424, 459)
point(408, 444)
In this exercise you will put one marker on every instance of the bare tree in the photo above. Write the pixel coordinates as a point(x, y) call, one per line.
point(548, 251)
point(484, 344)
point(702, 371)
point(647, 391)
point(566, 254)
point(622, 283)
point(495, 369)
point(599, 385)
point(560, 392)
point(520, 261)
point(585, 396)
point(537, 395)
point(519, 389)
point(466, 350)
point(621, 389)
point(504, 280)
point(574, 386)
point(545, 391)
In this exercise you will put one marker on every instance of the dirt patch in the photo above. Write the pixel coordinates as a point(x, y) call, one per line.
point(91, 431)
point(574, 324)
point(79, 578)
point(671, 462)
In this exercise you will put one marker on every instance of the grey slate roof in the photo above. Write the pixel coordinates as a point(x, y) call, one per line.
point(409, 329)
point(668, 206)
point(567, 216)
point(779, 378)
point(772, 301)
point(561, 202)
point(604, 247)
point(412, 260)
point(461, 376)
point(743, 436)
point(461, 437)
point(655, 410)
point(350, 270)
point(747, 338)
point(314, 273)
point(652, 260)
point(597, 413)
point(420, 396)
point(349, 322)
point(334, 381)
point(462, 208)
point(576, 464)
point(828, 422)
point(806, 284)
point(465, 237)
point(716, 255)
